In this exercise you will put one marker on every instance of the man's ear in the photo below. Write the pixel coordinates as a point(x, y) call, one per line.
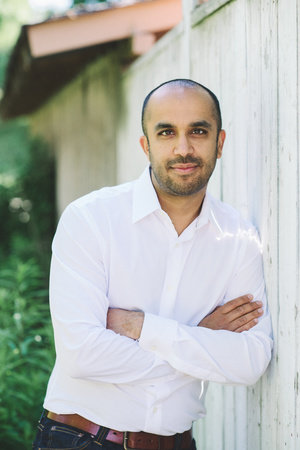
point(145, 145)
point(220, 143)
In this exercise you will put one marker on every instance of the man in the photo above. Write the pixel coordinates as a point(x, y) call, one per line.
point(156, 288)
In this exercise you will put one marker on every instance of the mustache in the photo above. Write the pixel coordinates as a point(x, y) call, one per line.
point(185, 160)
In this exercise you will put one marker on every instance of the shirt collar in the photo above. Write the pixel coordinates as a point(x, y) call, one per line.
point(209, 213)
point(145, 202)
point(145, 199)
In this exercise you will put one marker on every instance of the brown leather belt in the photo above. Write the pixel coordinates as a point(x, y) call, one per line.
point(135, 440)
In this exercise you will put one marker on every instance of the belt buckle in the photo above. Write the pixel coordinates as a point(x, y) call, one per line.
point(125, 439)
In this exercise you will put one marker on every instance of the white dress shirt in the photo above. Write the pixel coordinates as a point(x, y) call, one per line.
point(117, 248)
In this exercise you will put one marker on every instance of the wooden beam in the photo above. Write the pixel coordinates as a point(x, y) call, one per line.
point(84, 30)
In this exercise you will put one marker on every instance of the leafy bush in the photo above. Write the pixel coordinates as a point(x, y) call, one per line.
point(27, 195)
point(26, 351)
point(27, 211)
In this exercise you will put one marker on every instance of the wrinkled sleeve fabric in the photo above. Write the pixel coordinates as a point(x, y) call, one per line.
point(218, 355)
point(79, 303)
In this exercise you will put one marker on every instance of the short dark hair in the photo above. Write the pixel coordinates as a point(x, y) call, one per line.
point(187, 83)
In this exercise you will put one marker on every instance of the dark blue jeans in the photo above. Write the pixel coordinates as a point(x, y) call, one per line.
point(55, 435)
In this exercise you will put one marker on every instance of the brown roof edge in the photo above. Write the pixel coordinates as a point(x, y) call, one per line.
point(27, 90)
point(50, 54)
point(110, 24)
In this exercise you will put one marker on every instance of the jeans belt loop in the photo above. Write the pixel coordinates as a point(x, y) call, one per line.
point(125, 439)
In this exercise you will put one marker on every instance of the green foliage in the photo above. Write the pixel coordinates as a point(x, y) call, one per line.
point(27, 203)
point(26, 169)
point(38, 205)
point(27, 211)
point(12, 15)
point(4, 57)
point(14, 147)
point(26, 351)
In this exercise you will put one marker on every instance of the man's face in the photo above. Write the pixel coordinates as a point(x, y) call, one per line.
point(183, 143)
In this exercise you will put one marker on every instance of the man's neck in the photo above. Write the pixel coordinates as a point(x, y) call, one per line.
point(182, 210)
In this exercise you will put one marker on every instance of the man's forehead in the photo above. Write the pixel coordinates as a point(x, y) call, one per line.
point(173, 96)
point(177, 90)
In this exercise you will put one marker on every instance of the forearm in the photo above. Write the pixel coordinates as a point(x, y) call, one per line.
point(124, 322)
point(214, 355)
point(184, 346)
point(107, 357)
point(200, 351)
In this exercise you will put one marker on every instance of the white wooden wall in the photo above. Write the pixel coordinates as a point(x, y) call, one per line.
point(247, 52)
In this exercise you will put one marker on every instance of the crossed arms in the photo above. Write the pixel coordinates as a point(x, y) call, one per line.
point(240, 314)
point(215, 350)
point(96, 343)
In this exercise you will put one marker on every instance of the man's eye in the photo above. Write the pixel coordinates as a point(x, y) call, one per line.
point(199, 131)
point(166, 133)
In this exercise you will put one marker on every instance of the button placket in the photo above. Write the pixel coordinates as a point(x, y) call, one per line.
point(154, 413)
point(173, 274)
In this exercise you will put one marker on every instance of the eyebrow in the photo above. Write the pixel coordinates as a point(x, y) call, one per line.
point(161, 125)
point(200, 123)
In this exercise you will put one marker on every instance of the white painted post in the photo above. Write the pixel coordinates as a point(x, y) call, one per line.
point(187, 7)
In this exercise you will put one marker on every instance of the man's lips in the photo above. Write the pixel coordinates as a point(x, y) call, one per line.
point(184, 168)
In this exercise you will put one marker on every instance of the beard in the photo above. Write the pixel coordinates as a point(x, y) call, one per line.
point(182, 185)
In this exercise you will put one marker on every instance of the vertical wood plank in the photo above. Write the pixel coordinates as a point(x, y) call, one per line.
point(253, 156)
point(233, 81)
point(269, 207)
point(297, 300)
point(288, 185)
point(228, 419)
point(240, 417)
point(209, 431)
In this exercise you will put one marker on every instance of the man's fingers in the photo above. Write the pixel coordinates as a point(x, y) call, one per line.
point(243, 312)
point(235, 303)
point(247, 326)
point(238, 314)
point(244, 320)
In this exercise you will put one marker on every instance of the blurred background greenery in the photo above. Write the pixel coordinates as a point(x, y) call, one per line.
point(27, 211)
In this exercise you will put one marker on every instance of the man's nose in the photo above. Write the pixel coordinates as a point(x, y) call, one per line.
point(183, 146)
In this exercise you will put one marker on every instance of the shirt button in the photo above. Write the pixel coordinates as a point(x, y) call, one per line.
point(155, 409)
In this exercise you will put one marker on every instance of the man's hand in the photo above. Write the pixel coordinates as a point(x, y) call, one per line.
point(126, 323)
point(238, 315)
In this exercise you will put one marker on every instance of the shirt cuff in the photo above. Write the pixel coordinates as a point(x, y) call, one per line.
point(158, 334)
